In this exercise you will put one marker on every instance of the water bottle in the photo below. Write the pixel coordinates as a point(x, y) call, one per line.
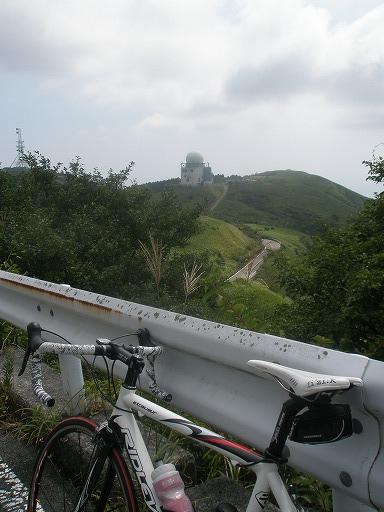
point(169, 488)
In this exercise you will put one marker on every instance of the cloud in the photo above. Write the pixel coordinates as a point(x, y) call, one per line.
point(235, 77)
point(357, 75)
point(358, 86)
point(343, 63)
point(280, 78)
point(173, 57)
point(30, 43)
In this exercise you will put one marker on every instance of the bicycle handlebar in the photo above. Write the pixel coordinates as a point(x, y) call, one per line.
point(56, 348)
point(37, 346)
point(37, 385)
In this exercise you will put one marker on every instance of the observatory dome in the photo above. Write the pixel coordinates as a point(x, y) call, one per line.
point(194, 158)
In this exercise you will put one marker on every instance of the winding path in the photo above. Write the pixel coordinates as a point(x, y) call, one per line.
point(249, 270)
point(219, 199)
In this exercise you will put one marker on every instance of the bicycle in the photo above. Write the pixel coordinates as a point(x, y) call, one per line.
point(89, 460)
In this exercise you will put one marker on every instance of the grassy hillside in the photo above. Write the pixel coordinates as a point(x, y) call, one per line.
point(293, 241)
point(289, 199)
point(250, 304)
point(225, 242)
point(206, 195)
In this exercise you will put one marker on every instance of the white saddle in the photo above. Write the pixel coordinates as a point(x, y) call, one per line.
point(303, 383)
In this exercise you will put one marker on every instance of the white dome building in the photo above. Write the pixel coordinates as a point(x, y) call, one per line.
point(195, 171)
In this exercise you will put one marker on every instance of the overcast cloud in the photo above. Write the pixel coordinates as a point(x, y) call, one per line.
point(253, 84)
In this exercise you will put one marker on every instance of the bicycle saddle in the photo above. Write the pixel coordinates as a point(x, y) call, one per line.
point(304, 383)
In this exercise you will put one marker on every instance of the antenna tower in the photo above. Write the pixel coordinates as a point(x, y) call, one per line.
point(18, 161)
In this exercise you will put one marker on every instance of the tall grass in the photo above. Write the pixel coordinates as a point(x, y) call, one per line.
point(155, 257)
point(191, 280)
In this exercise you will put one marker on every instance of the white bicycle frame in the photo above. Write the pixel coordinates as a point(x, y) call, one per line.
point(268, 478)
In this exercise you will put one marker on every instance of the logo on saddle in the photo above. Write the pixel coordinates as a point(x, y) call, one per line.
point(320, 382)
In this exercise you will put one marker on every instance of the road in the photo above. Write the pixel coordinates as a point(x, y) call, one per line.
point(16, 463)
point(16, 457)
point(249, 270)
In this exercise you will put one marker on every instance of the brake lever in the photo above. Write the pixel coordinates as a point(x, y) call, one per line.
point(25, 361)
point(34, 341)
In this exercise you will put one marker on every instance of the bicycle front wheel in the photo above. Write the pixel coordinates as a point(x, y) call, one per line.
point(63, 468)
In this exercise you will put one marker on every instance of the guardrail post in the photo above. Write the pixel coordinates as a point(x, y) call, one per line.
point(344, 503)
point(73, 383)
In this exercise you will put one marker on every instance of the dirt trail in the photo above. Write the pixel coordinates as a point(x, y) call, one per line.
point(218, 201)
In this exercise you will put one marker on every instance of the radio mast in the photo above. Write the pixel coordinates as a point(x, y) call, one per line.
point(18, 161)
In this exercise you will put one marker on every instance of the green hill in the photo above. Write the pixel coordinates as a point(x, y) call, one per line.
point(206, 195)
point(288, 199)
point(225, 242)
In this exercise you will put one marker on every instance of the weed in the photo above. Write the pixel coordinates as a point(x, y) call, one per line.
point(28, 423)
point(309, 492)
point(191, 280)
point(10, 335)
point(98, 390)
point(154, 257)
point(218, 465)
point(6, 382)
point(33, 423)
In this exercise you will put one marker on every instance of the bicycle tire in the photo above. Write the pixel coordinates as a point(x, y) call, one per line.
point(61, 468)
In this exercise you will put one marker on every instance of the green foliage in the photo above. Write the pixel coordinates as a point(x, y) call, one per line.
point(99, 392)
point(176, 262)
point(192, 277)
point(68, 225)
point(32, 424)
point(218, 465)
point(10, 265)
point(154, 256)
point(338, 287)
point(227, 245)
point(309, 492)
point(293, 242)
point(293, 247)
point(7, 397)
point(28, 423)
point(204, 197)
point(8, 333)
point(250, 305)
point(376, 169)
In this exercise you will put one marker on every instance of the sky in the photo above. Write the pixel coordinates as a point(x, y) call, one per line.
point(253, 85)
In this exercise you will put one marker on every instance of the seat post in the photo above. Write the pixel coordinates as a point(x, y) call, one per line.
point(283, 427)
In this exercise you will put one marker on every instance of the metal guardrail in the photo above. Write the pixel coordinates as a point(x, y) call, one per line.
point(205, 369)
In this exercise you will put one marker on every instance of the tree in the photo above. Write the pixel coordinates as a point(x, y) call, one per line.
point(376, 169)
point(338, 288)
point(68, 225)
